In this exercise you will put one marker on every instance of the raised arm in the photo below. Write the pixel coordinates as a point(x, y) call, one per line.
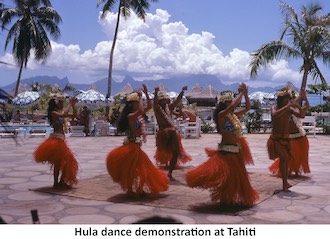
point(73, 102)
point(156, 97)
point(292, 106)
point(305, 108)
point(178, 99)
point(244, 91)
point(149, 105)
point(65, 113)
point(140, 111)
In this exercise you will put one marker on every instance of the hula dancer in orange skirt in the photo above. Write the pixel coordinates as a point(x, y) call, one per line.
point(298, 142)
point(128, 164)
point(54, 150)
point(279, 141)
point(168, 140)
point(224, 173)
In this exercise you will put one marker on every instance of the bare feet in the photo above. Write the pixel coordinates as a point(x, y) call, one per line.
point(169, 175)
point(136, 195)
point(286, 187)
point(61, 185)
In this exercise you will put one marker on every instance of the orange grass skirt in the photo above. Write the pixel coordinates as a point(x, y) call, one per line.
point(279, 146)
point(55, 151)
point(247, 156)
point(165, 146)
point(299, 164)
point(131, 167)
point(225, 175)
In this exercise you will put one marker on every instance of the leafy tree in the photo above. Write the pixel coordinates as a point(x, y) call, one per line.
point(34, 18)
point(309, 40)
point(124, 9)
point(317, 89)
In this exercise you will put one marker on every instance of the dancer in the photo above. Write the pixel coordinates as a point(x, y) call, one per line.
point(54, 150)
point(224, 173)
point(298, 142)
point(279, 141)
point(185, 114)
point(128, 165)
point(168, 140)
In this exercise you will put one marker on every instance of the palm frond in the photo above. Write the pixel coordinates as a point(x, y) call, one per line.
point(315, 73)
point(326, 57)
point(125, 9)
point(268, 53)
point(108, 5)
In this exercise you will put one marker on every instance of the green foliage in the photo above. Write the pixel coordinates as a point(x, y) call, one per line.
point(29, 34)
point(320, 108)
point(326, 128)
point(252, 119)
point(317, 89)
point(205, 127)
point(307, 37)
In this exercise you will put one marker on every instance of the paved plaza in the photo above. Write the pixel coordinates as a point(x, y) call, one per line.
point(308, 203)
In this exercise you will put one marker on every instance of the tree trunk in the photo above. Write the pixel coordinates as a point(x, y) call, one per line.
point(18, 79)
point(111, 61)
point(304, 79)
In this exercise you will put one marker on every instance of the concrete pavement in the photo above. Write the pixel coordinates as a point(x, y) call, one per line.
point(308, 203)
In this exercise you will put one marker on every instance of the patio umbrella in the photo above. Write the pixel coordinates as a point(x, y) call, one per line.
point(25, 98)
point(262, 97)
point(91, 98)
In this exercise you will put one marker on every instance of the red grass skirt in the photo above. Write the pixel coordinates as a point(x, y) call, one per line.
point(279, 146)
point(55, 151)
point(166, 145)
point(298, 164)
point(131, 167)
point(247, 156)
point(225, 175)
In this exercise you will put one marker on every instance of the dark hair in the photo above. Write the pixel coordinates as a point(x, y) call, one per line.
point(219, 107)
point(51, 107)
point(280, 99)
point(122, 123)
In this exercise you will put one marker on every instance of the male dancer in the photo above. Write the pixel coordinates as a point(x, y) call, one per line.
point(168, 140)
point(279, 141)
point(299, 144)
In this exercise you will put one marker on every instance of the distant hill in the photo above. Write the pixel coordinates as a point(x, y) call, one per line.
point(172, 84)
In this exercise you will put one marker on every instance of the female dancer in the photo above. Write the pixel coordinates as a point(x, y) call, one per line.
point(168, 141)
point(54, 150)
point(128, 165)
point(224, 174)
point(299, 144)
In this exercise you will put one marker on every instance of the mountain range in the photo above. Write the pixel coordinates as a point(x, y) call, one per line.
point(172, 84)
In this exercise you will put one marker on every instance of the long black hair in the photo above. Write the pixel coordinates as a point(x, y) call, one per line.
point(52, 106)
point(122, 123)
point(219, 107)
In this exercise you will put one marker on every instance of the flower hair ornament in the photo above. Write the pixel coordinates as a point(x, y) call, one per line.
point(132, 97)
point(58, 97)
point(162, 96)
point(225, 96)
point(283, 93)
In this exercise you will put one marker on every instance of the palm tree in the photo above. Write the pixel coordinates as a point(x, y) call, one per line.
point(309, 38)
point(34, 19)
point(124, 9)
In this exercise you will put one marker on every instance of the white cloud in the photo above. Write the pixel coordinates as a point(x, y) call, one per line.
point(154, 49)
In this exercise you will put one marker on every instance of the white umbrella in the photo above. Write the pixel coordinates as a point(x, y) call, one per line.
point(25, 98)
point(91, 98)
point(262, 97)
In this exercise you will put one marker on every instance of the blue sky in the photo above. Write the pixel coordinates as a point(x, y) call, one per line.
point(178, 38)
